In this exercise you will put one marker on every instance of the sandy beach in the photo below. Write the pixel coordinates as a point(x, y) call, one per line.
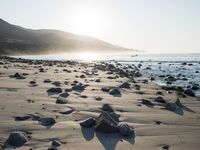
point(161, 118)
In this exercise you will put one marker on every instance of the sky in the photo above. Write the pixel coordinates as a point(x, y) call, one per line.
point(154, 26)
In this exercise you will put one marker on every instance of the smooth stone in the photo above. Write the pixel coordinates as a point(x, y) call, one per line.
point(47, 121)
point(56, 143)
point(16, 139)
point(88, 123)
point(125, 85)
point(159, 99)
point(115, 92)
point(55, 90)
point(107, 107)
point(125, 130)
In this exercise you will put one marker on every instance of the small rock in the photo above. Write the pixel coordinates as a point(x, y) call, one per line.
point(56, 143)
point(78, 88)
point(159, 99)
point(98, 98)
point(115, 92)
point(189, 92)
point(47, 81)
point(16, 139)
point(165, 147)
point(97, 80)
point(147, 102)
point(125, 130)
point(55, 90)
point(125, 85)
point(105, 89)
point(62, 98)
point(88, 123)
point(107, 107)
point(47, 121)
point(22, 118)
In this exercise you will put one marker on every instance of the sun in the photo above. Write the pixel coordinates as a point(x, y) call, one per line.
point(87, 21)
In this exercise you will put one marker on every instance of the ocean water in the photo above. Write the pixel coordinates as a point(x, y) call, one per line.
point(153, 65)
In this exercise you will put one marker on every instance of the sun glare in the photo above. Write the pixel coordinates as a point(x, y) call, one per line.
point(87, 56)
point(87, 21)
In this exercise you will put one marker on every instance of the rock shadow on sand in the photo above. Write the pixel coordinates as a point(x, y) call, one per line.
point(108, 140)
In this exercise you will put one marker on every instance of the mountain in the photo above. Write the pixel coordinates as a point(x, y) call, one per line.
point(18, 40)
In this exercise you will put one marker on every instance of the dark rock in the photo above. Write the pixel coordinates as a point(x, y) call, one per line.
point(170, 79)
point(165, 147)
point(47, 81)
point(105, 89)
point(125, 130)
point(97, 80)
point(107, 107)
point(115, 92)
point(147, 102)
point(159, 93)
point(22, 118)
point(125, 85)
point(189, 92)
point(159, 99)
point(88, 123)
point(137, 74)
point(16, 139)
point(17, 76)
point(62, 98)
point(106, 124)
point(56, 83)
point(98, 98)
point(56, 143)
point(83, 96)
point(68, 90)
point(82, 76)
point(47, 121)
point(54, 90)
point(78, 88)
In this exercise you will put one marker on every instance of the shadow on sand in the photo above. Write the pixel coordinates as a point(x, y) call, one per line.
point(109, 141)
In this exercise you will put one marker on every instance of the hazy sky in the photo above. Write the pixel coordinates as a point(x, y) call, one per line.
point(151, 25)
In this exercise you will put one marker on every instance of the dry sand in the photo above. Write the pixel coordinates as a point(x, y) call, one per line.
point(18, 98)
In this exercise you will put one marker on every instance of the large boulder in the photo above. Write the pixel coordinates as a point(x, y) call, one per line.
point(125, 130)
point(106, 124)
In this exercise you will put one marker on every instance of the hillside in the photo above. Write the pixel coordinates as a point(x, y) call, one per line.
point(18, 40)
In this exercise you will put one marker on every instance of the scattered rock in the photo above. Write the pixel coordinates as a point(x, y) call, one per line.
point(125, 85)
point(97, 80)
point(159, 93)
point(98, 98)
point(47, 121)
point(159, 99)
point(147, 102)
point(22, 118)
point(56, 83)
point(125, 130)
point(115, 92)
point(47, 81)
point(107, 107)
point(189, 92)
point(165, 147)
point(56, 143)
point(105, 89)
point(16, 139)
point(106, 124)
point(17, 76)
point(54, 90)
point(62, 98)
point(78, 88)
point(88, 123)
